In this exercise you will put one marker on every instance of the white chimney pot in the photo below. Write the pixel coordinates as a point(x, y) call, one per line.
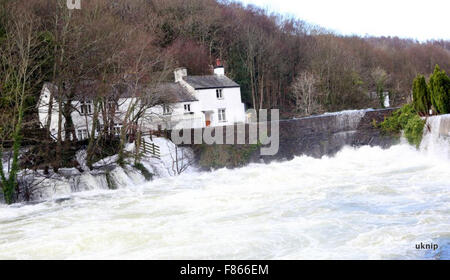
point(220, 71)
point(179, 74)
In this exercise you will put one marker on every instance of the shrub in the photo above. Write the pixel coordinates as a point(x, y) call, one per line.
point(439, 87)
point(375, 123)
point(414, 130)
point(421, 96)
point(398, 120)
point(405, 119)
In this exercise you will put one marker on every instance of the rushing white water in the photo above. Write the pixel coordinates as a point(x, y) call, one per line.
point(363, 203)
point(436, 140)
point(348, 119)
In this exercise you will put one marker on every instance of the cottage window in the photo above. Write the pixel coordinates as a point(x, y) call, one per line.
point(167, 110)
point(187, 108)
point(82, 134)
point(86, 107)
point(117, 128)
point(219, 93)
point(222, 115)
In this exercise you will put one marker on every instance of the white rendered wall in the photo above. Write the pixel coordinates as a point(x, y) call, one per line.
point(177, 119)
point(231, 102)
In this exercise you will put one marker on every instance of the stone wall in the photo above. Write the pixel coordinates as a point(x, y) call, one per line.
point(327, 134)
point(314, 136)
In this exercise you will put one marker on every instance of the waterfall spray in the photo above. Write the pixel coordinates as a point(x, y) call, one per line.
point(436, 138)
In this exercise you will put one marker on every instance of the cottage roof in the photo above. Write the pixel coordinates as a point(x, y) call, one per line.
point(210, 81)
point(175, 92)
point(164, 92)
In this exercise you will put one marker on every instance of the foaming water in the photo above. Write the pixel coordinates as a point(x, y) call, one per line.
point(436, 139)
point(364, 203)
point(348, 119)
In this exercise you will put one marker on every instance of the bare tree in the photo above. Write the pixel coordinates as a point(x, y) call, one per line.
point(21, 58)
point(254, 58)
point(145, 67)
point(380, 78)
point(181, 159)
point(306, 94)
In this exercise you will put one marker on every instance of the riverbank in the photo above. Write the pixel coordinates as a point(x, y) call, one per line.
point(316, 136)
point(107, 174)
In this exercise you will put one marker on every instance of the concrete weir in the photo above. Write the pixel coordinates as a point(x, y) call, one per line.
point(313, 136)
point(328, 133)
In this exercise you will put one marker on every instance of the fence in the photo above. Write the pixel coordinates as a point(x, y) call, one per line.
point(150, 149)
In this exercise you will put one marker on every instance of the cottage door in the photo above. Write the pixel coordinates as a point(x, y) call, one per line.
point(208, 118)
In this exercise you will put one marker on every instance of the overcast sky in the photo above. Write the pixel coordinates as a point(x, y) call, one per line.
point(414, 19)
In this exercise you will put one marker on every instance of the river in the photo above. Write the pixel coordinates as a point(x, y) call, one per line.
point(363, 203)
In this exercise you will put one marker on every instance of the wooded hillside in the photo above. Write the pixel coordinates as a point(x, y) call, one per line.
point(265, 53)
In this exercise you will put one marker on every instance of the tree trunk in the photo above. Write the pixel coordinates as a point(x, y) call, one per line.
point(92, 139)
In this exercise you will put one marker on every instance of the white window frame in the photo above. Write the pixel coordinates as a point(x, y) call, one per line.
point(85, 107)
point(219, 93)
point(187, 108)
point(82, 134)
point(222, 115)
point(166, 110)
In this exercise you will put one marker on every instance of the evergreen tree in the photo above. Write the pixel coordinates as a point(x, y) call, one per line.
point(439, 87)
point(421, 95)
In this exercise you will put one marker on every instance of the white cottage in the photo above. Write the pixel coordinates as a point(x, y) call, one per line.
point(189, 102)
point(216, 101)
